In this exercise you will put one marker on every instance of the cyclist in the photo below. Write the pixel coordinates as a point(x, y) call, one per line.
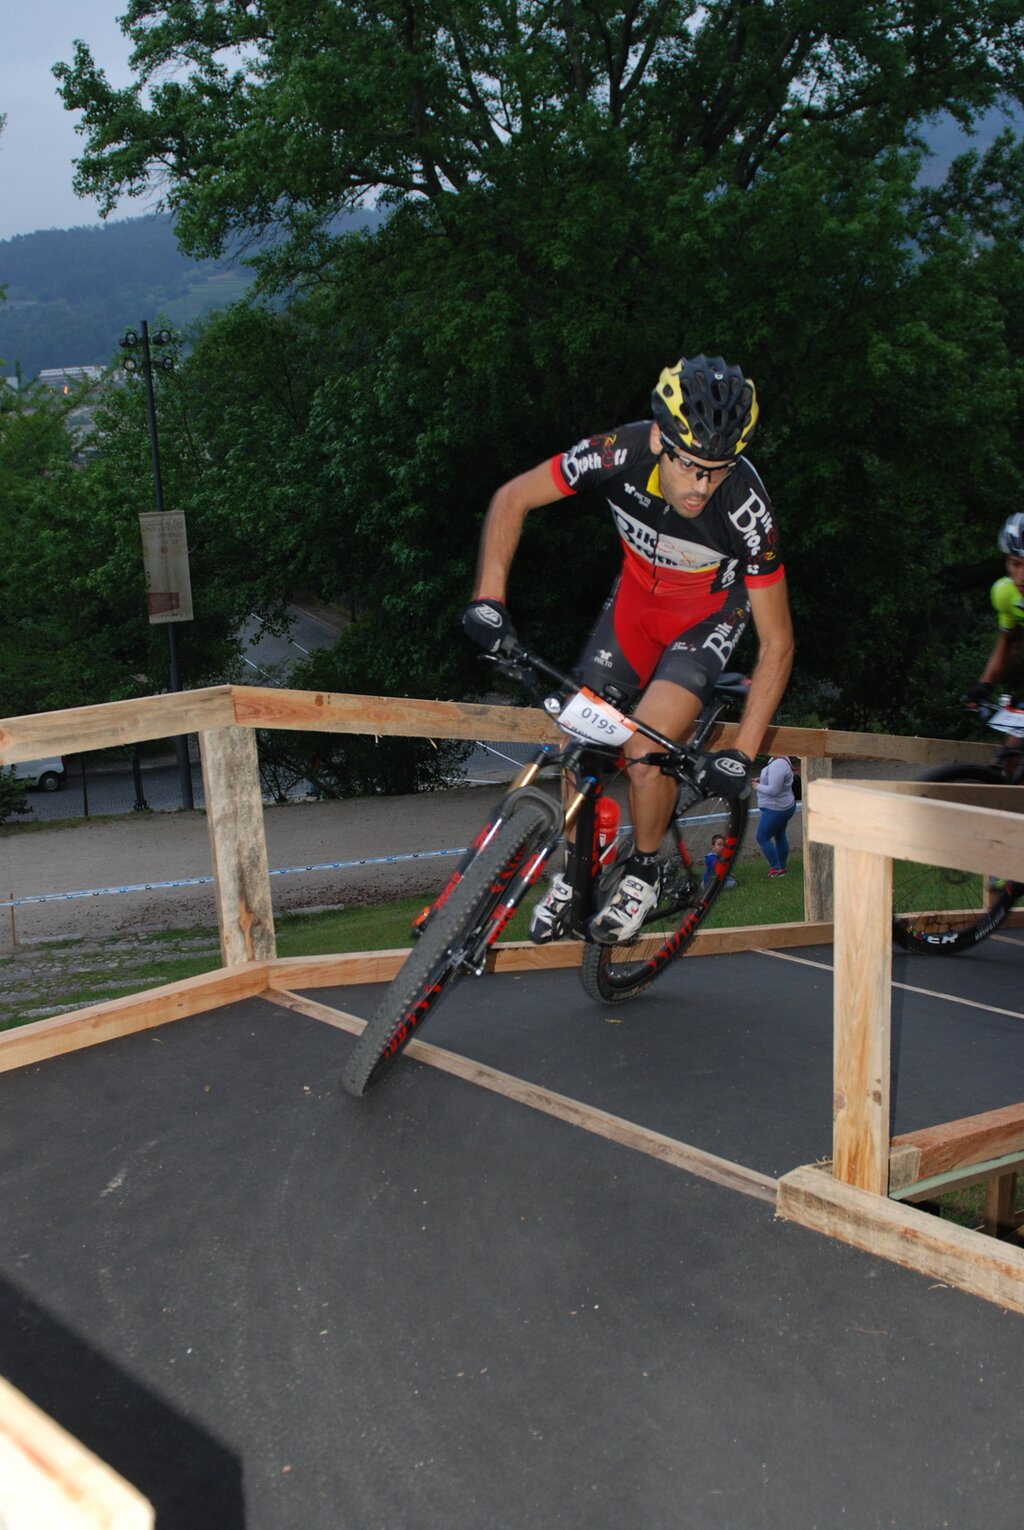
point(700, 555)
point(1008, 603)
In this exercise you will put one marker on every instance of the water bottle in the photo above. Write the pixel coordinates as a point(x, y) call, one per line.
point(606, 829)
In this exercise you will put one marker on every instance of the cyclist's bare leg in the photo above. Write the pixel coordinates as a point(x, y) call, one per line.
point(672, 711)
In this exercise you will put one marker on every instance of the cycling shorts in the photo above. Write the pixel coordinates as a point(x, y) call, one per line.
point(638, 639)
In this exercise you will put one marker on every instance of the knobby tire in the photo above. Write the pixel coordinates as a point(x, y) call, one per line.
point(436, 961)
point(611, 974)
point(942, 912)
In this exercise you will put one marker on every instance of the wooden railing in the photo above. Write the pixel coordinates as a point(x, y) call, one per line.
point(865, 1194)
point(225, 717)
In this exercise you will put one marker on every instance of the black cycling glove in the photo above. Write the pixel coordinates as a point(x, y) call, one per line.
point(488, 624)
point(724, 774)
point(981, 690)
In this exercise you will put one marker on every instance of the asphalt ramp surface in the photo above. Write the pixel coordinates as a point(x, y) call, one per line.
point(273, 1306)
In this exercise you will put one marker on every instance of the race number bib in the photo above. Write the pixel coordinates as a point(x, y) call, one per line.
point(593, 721)
point(1008, 720)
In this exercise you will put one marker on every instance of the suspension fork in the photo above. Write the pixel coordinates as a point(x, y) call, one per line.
point(578, 811)
point(579, 814)
point(526, 777)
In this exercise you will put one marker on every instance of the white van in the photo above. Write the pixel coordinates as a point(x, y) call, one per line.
point(47, 774)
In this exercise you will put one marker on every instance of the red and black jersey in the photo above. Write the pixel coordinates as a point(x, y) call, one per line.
point(734, 542)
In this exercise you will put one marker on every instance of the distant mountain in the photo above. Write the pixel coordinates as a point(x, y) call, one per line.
point(71, 293)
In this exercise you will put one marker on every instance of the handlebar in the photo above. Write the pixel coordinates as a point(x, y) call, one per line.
point(514, 657)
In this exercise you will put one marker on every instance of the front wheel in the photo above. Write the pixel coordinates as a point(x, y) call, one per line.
point(689, 891)
point(439, 956)
point(940, 911)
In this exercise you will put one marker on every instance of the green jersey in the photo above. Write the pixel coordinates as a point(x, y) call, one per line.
point(1008, 604)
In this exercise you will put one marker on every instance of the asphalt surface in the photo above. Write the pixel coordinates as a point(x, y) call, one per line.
point(270, 1305)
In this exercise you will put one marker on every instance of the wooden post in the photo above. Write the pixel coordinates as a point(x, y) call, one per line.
point(999, 1219)
point(234, 815)
point(862, 1012)
point(818, 904)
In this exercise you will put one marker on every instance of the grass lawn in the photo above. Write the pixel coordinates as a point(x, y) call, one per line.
point(71, 974)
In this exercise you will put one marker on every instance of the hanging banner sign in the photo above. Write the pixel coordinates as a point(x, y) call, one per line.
point(165, 559)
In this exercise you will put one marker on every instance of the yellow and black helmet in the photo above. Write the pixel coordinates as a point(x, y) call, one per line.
point(706, 407)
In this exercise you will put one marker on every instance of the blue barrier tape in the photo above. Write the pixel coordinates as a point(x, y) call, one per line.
point(280, 871)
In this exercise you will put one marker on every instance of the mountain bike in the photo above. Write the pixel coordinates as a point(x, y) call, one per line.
point(941, 911)
point(512, 851)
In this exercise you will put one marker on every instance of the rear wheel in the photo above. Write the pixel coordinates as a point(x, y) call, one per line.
point(439, 957)
point(941, 911)
point(613, 973)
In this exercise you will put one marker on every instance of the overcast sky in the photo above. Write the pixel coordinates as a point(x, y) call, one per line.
point(39, 142)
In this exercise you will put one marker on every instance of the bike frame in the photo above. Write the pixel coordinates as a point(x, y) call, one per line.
point(580, 767)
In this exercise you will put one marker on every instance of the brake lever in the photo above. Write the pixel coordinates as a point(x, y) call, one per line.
point(512, 670)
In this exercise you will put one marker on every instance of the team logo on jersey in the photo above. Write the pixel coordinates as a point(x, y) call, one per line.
point(753, 521)
point(664, 551)
point(590, 454)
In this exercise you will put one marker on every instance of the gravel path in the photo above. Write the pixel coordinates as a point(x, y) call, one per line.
point(165, 847)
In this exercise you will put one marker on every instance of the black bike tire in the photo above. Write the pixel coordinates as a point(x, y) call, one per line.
point(596, 969)
point(953, 944)
point(433, 964)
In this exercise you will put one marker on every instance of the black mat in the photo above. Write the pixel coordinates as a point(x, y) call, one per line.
point(733, 1054)
point(274, 1306)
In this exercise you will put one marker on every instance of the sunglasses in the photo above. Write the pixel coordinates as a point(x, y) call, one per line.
point(713, 475)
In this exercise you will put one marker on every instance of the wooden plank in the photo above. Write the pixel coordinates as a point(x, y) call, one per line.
point(337, 970)
point(861, 1013)
point(238, 846)
point(50, 1481)
point(126, 722)
point(915, 1239)
point(971, 1139)
point(760, 937)
point(974, 1174)
point(353, 1025)
point(680, 1155)
point(909, 827)
point(911, 751)
point(817, 857)
point(404, 717)
point(115, 722)
point(42, 1039)
point(1001, 797)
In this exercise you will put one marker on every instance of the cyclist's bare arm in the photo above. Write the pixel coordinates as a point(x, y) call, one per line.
point(503, 527)
point(1006, 649)
point(769, 606)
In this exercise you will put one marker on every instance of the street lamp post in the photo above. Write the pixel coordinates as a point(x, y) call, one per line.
point(165, 362)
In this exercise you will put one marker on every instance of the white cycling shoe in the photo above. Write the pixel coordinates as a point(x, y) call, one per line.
point(551, 915)
point(622, 917)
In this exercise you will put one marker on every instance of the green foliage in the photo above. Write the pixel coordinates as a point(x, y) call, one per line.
point(579, 194)
point(13, 795)
point(351, 765)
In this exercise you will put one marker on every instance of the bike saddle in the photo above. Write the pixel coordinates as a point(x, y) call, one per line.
point(732, 683)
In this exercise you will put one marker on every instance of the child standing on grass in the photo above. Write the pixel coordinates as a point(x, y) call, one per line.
point(777, 804)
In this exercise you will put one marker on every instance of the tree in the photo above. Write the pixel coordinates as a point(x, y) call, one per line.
point(13, 794)
point(577, 194)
